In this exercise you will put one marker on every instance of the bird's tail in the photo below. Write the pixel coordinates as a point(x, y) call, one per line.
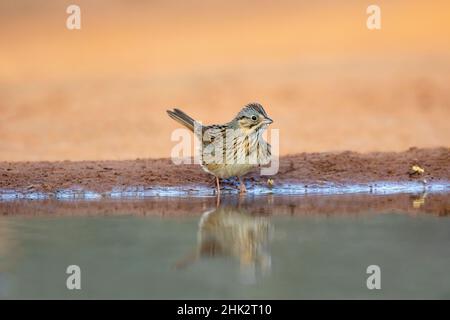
point(182, 118)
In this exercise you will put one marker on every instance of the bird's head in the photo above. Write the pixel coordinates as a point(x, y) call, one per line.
point(252, 117)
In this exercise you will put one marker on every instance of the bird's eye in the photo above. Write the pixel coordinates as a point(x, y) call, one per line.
point(254, 118)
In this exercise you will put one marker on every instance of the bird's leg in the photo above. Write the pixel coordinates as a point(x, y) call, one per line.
point(218, 186)
point(242, 187)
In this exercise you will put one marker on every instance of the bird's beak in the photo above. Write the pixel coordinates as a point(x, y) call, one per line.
point(267, 120)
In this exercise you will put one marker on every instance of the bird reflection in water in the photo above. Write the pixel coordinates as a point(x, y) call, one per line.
point(230, 231)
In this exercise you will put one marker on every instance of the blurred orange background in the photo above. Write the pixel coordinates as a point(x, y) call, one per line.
point(328, 82)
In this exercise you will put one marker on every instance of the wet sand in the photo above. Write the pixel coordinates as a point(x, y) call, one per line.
point(307, 169)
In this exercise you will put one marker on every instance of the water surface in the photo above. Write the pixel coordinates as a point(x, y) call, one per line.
point(263, 247)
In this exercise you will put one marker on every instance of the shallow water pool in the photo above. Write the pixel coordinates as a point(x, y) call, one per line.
point(262, 247)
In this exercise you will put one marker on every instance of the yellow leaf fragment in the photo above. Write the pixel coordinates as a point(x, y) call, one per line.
point(417, 169)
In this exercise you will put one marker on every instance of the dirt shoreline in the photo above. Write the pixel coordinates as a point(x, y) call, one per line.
point(305, 168)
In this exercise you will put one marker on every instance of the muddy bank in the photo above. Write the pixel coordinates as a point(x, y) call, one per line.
point(313, 169)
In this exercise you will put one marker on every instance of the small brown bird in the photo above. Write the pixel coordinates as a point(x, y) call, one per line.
point(234, 148)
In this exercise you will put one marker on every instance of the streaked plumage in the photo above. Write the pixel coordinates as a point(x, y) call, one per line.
point(234, 148)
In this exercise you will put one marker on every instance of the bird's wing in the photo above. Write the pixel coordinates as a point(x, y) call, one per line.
point(212, 133)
